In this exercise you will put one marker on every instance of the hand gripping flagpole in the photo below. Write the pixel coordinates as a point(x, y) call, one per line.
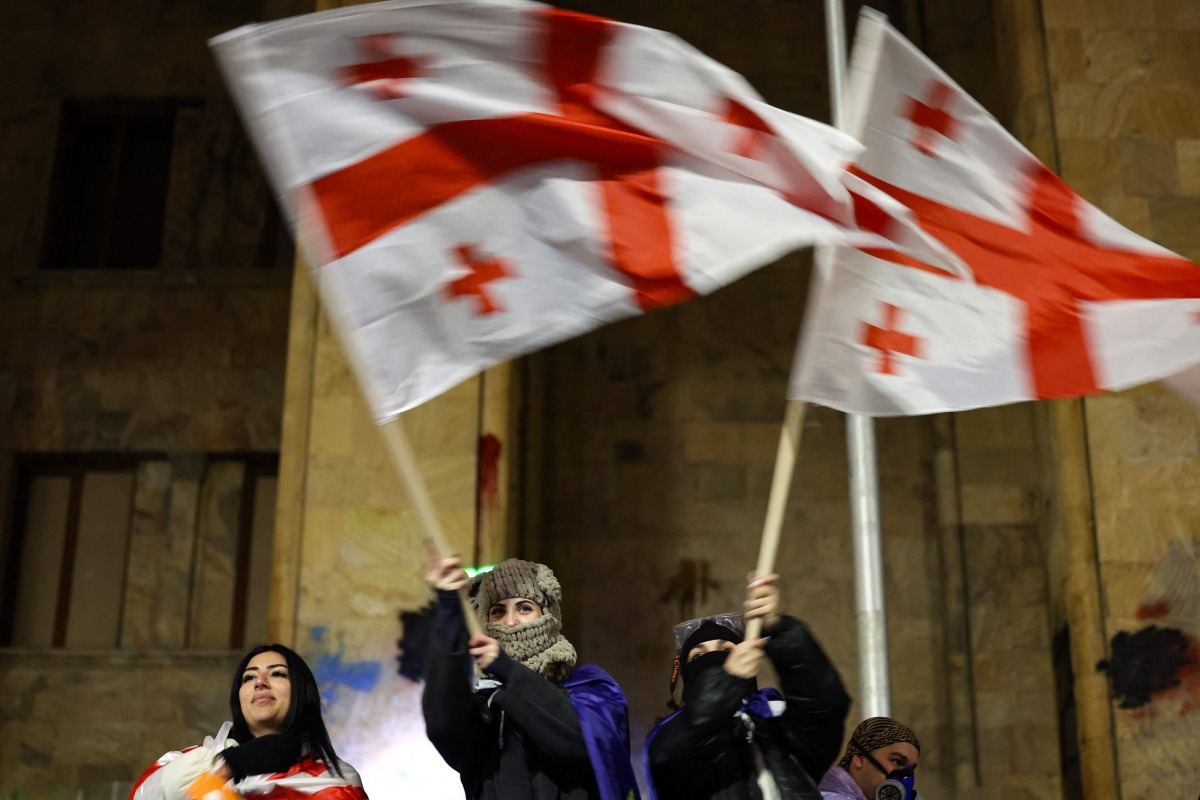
point(410, 475)
point(873, 681)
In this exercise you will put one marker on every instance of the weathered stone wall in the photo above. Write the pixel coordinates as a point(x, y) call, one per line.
point(156, 360)
point(1145, 457)
point(176, 362)
point(1125, 108)
point(144, 365)
point(85, 725)
point(1012, 748)
point(1104, 92)
point(1119, 89)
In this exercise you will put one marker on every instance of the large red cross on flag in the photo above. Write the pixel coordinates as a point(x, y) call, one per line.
point(1037, 294)
point(474, 179)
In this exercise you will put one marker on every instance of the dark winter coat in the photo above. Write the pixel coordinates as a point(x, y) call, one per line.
point(707, 750)
point(522, 742)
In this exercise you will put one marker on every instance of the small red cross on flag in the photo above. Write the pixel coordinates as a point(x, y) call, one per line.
point(482, 272)
point(889, 340)
point(385, 70)
point(883, 338)
point(932, 119)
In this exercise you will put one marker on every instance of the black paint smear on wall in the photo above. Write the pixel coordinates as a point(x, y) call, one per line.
point(414, 641)
point(1145, 662)
point(689, 585)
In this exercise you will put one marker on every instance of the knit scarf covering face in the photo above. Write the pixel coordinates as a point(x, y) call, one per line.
point(537, 644)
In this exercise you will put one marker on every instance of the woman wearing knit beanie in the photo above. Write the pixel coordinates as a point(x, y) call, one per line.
point(509, 709)
point(732, 741)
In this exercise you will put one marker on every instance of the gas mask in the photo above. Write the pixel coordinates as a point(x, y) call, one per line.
point(899, 784)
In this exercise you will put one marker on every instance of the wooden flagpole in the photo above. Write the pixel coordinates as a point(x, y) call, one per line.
point(874, 679)
point(410, 475)
point(781, 481)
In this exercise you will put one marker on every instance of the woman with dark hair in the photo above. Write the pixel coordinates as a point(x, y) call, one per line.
point(276, 745)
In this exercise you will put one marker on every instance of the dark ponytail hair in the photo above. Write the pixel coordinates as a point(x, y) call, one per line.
point(303, 720)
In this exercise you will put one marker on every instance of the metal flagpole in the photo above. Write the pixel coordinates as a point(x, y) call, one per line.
point(874, 689)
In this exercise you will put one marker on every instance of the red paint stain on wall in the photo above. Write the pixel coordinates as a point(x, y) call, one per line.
point(487, 489)
point(1153, 610)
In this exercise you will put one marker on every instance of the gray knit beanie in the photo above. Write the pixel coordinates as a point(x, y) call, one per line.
point(538, 644)
point(517, 578)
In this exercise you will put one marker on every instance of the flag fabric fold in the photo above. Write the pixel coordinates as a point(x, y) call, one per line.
point(1035, 293)
point(471, 180)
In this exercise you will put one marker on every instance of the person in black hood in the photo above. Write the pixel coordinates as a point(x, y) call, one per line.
point(732, 741)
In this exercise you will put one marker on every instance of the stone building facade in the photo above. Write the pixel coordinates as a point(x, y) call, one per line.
point(144, 295)
point(1037, 555)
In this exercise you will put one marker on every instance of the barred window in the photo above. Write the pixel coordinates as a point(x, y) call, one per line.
point(139, 552)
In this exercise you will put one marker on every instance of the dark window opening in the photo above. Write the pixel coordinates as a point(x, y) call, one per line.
point(109, 191)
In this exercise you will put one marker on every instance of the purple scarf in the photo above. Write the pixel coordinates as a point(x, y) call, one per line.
point(604, 718)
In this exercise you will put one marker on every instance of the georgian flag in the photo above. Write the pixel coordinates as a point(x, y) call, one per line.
point(1040, 295)
point(307, 779)
point(471, 180)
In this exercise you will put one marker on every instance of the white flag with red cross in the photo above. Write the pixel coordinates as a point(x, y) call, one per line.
point(1042, 295)
point(475, 179)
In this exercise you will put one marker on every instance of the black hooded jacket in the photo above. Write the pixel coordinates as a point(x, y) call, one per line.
point(708, 751)
point(538, 753)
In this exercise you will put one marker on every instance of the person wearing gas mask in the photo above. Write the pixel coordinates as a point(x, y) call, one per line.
point(732, 741)
point(879, 764)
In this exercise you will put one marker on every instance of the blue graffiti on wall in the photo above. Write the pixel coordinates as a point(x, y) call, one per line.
point(333, 672)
